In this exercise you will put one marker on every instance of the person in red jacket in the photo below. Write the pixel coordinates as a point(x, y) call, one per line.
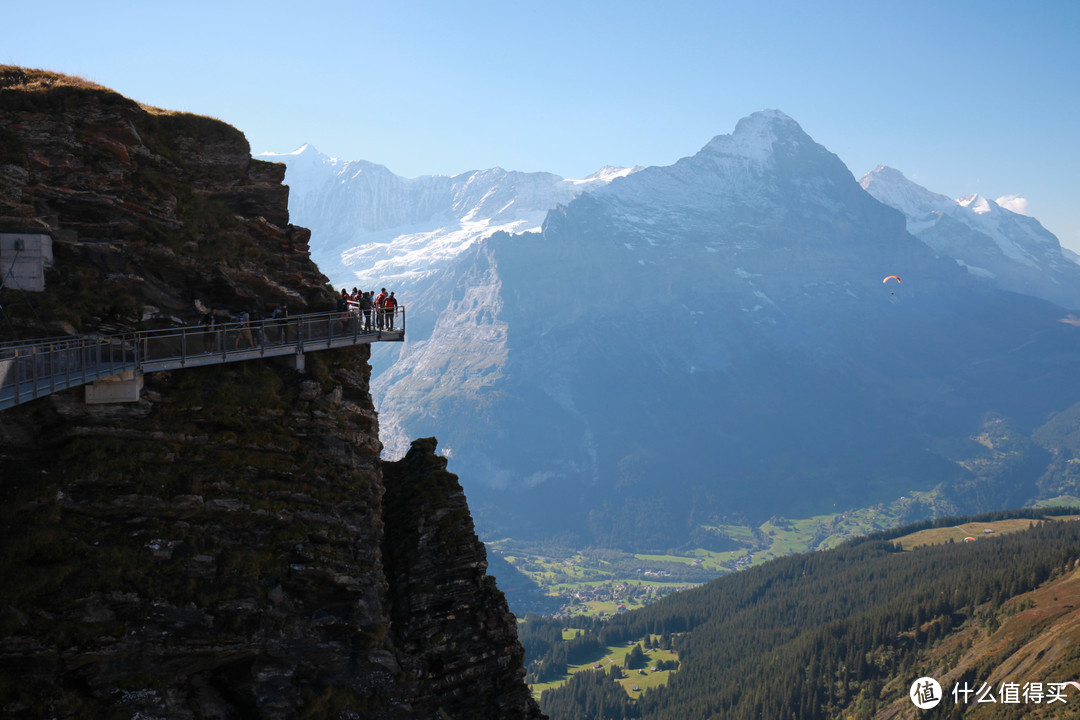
point(390, 307)
point(380, 315)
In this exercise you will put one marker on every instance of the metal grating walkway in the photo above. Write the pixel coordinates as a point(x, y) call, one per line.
point(31, 370)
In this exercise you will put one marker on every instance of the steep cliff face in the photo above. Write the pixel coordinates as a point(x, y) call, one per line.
point(448, 615)
point(228, 546)
point(154, 215)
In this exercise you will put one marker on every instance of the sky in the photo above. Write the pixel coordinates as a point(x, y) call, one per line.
point(960, 97)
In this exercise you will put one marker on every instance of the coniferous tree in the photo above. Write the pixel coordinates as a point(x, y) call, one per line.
point(636, 658)
point(813, 635)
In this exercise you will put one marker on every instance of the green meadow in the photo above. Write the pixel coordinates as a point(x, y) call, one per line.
point(633, 681)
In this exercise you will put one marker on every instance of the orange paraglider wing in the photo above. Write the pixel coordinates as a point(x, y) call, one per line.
point(891, 277)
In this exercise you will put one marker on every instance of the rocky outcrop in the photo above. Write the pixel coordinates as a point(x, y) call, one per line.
point(154, 215)
point(228, 546)
point(212, 551)
point(446, 609)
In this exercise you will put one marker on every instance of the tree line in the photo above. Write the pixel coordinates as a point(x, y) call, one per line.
point(807, 635)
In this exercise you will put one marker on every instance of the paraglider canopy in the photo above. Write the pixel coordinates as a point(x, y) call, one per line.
point(891, 277)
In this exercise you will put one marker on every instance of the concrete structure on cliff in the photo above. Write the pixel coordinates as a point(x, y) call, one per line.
point(24, 257)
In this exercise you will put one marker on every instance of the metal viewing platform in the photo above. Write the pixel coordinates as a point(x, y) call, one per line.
point(111, 366)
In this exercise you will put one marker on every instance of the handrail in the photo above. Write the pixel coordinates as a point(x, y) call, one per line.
point(37, 368)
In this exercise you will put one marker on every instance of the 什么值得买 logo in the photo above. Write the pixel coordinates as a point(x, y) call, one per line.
point(925, 693)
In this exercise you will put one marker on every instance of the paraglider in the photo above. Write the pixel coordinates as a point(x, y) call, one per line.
point(891, 277)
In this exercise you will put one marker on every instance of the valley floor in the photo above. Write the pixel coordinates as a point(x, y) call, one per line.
point(600, 583)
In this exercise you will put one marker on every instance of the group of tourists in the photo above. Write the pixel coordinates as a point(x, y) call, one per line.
point(377, 310)
point(252, 328)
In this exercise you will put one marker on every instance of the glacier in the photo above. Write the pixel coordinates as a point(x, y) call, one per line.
point(377, 228)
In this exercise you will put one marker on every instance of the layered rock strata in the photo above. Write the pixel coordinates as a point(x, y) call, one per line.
point(154, 215)
point(442, 598)
point(229, 546)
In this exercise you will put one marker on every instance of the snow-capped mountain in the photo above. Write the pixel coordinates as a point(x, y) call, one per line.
point(1013, 251)
point(733, 177)
point(379, 229)
point(713, 337)
point(683, 343)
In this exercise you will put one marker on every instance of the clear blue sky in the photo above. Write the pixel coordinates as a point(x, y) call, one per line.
point(961, 97)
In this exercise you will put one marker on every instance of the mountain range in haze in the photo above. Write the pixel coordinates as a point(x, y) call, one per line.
point(630, 359)
point(1010, 249)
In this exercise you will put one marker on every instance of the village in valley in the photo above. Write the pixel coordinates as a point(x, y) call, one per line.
point(599, 582)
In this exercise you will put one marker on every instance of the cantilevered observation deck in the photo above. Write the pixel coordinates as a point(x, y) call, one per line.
point(111, 366)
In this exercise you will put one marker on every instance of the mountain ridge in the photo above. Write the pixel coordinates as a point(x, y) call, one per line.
point(749, 273)
point(752, 273)
point(1013, 251)
point(447, 213)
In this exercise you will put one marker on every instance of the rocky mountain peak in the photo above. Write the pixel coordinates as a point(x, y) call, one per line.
point(756, 135)
point(977, 203)
point(767, 162)
point(719, 324)
point(891, 187)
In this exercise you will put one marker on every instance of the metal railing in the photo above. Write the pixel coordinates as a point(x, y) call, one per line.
point(30, 370)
